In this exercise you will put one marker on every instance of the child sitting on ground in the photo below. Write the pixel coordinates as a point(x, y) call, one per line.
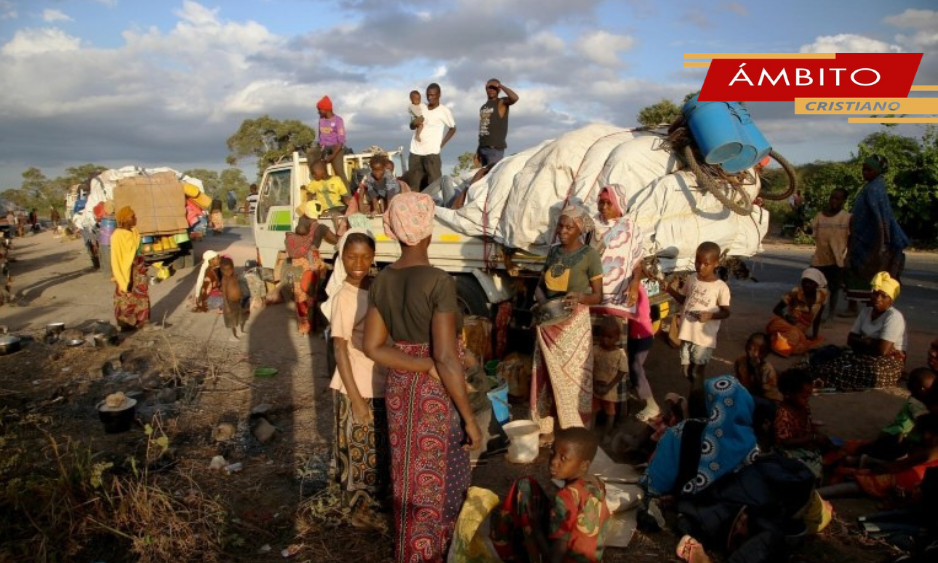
point(610, 374)
point(231, 289)
point(706, 301)
point(572, 526)
point(901, 481)
point(796, 434)
point(416, 109)
point(754, 371)
point(896, 439)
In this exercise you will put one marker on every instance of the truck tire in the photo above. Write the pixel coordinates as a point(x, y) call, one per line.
point(471, 297)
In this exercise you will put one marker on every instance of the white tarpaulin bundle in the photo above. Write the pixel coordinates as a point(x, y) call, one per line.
point(519, 201)
point(102, 189)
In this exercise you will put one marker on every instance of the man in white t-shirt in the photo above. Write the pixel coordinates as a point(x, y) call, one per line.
point(424, 162)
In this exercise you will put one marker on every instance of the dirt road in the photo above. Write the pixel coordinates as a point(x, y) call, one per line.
point(54, 283)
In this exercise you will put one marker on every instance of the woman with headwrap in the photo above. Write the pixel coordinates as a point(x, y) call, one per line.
point(207, 293)
point(876, 240)
point(728, 497)
point(361, 441)
point(430, 421)
point(562, 379)
point(308, 267)
point(621, 244)
point(799, 311)
point(132, 293)
point(877, 343)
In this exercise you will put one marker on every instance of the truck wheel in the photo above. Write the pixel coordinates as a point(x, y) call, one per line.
point(471, 297)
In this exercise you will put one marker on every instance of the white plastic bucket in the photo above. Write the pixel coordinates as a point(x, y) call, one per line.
point(524, 444)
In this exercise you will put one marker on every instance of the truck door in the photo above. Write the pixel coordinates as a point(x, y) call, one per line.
point(274, 215)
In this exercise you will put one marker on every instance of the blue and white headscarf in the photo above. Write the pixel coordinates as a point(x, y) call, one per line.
point(728, 441)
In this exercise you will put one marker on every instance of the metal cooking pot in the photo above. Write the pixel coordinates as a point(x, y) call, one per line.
point(550, 312)
point(55, 329)
point(10, 343)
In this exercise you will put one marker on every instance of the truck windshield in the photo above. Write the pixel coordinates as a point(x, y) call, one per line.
point(274, 193)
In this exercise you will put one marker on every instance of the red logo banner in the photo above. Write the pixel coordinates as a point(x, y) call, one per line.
point(849, 75)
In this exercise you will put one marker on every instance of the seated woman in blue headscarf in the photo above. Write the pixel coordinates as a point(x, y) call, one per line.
point(728, 496)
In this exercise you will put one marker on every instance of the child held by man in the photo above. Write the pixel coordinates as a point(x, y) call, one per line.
point(706, 301)
point(570, 527)
point(416, 110)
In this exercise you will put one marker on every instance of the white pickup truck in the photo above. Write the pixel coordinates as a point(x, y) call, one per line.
point(484, 273)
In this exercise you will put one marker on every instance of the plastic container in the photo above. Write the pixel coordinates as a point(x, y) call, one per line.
point(499, 399)
point(203, 200)
point(191, 190)
point(714, 128)
point(524, 436)
point(181, 238)
point(755, 145)
point(105, 230)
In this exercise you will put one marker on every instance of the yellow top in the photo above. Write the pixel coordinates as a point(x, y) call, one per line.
point(328, 192)
point(124, 245)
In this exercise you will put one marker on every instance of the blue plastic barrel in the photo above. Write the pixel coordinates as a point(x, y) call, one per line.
point(756, 146)
point(106, 229)
point(713, 126)
point(499, 399)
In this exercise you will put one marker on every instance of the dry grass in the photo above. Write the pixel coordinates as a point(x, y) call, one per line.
point(77, 506)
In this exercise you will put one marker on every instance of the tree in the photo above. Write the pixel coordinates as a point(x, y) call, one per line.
point(465, 162)
point(268, 140)
point(233, 179)
point(659, 113)
point(211, 183)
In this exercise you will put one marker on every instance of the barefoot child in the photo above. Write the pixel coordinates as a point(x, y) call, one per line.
point(610, 374)
point(570, 527)
point(706, 301)
point(231, 289)
point(831, 228)
point(416, 109)
point(361, 445)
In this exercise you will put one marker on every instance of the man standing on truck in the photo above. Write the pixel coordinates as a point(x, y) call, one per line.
point(493, 123)
point(331, 138)
point(424, 160)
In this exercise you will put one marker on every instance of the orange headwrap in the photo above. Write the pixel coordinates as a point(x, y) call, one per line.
point(325, 104)
point(124, 216)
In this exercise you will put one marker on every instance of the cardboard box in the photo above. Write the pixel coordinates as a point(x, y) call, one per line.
point(158, 200)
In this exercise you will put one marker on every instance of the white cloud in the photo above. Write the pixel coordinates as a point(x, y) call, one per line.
point(849, 43)
point(8, 10)
point(919, 19)
point(602, 47)
point(50, 16)
point(736, 8)
point(28, 42)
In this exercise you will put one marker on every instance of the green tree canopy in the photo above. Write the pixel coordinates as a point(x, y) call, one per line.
point(233, 179)
point(464, 163)
point(664, 111)
point(268, 139)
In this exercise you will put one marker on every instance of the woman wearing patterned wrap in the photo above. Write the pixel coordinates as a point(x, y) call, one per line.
point(562, 380)
point(132, 294)
point(430, 420)
point(621, 243)
point(876, 239)
point(877, 343)
point(729, 497)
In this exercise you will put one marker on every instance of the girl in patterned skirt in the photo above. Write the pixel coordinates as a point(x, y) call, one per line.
point(361, 444)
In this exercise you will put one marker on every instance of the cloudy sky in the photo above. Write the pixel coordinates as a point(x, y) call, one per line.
point(165, 82)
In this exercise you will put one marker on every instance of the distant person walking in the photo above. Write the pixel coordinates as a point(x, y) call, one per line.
point(250, 202)
point(331, 139)
point(132, 295)
point(493, 122)
point(54, 217)
point(876, 239)
point(424, 160)
point(831, 229)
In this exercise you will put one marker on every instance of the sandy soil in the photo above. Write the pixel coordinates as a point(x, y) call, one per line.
point(53, 283)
